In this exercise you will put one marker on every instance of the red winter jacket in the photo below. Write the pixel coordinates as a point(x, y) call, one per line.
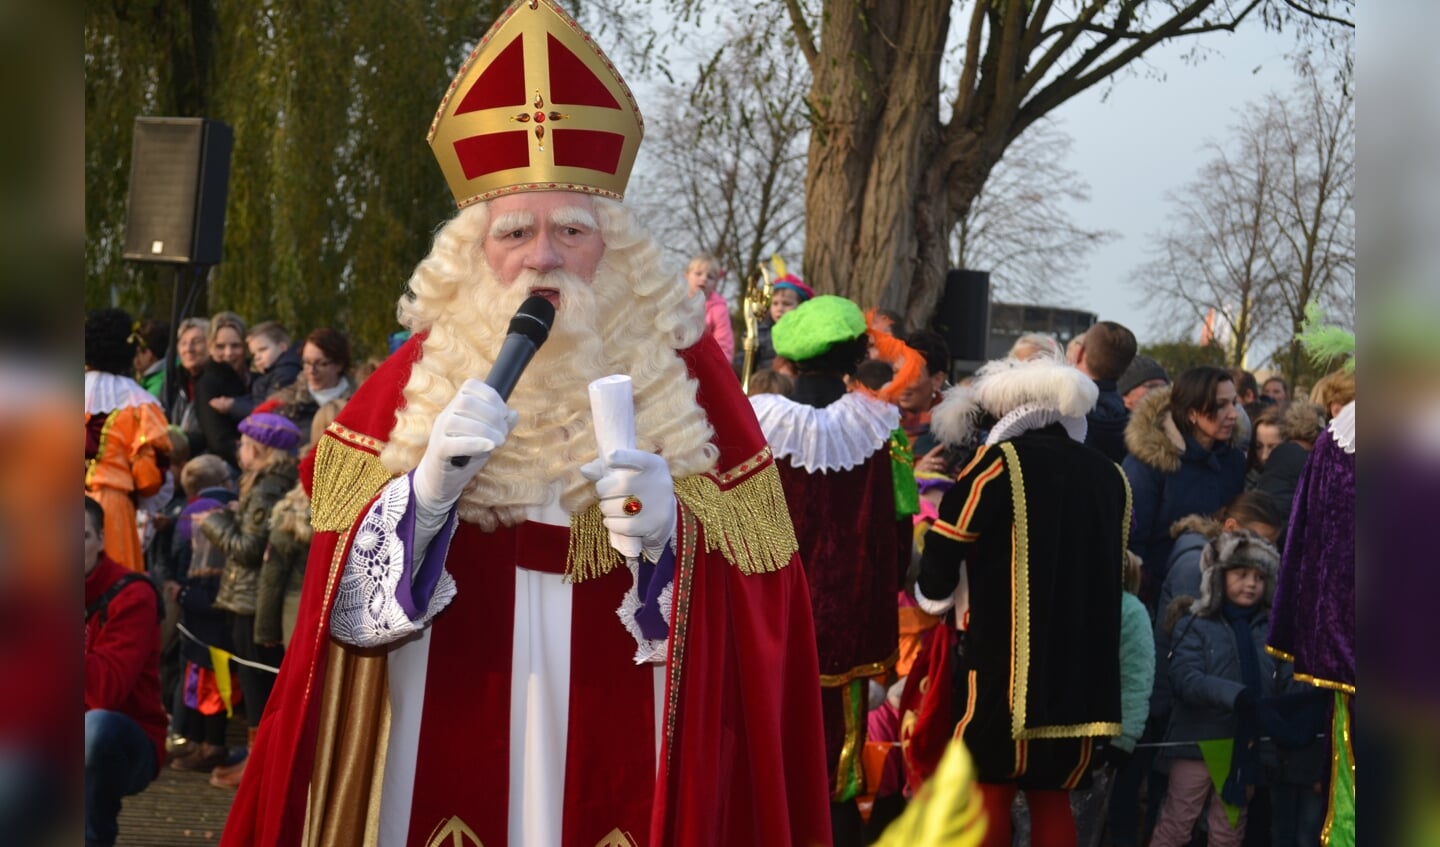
point(122, 657)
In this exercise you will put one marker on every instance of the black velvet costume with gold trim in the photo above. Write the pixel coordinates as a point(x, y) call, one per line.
point(1041, 520)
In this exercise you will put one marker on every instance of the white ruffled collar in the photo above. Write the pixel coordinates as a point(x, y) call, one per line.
point(838, 437)
point(1342, 428)
point(106, 392)
point(1030, 416)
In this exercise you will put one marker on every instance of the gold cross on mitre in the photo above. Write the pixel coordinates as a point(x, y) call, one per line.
point(536, 107)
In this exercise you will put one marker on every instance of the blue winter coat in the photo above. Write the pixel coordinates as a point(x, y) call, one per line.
point(1169, 482)
point(1205, 679)
point(1105, 424)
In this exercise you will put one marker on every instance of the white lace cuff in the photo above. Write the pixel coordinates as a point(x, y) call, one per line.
point(380, 599)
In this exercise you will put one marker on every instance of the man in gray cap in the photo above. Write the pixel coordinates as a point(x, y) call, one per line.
point(1143, 376)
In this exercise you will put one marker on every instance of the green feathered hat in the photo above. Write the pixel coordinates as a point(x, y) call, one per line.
point(1325, 343)
point(816, 325)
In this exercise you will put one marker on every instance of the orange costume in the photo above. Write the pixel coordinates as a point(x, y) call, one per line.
point(126, 451)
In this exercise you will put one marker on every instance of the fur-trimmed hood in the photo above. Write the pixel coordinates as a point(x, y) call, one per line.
point(1199, 524)
point(1153, 438)
point(1238, 548)
point(1044, 390)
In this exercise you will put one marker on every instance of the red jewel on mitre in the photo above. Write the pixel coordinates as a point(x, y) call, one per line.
point(535, 107)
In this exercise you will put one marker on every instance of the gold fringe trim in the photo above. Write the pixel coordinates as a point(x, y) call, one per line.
point(590, 555)
point(869, 669)
point(346, 479)
point(749, 524)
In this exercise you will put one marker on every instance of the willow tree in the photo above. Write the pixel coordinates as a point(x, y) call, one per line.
point(333, 193)
point(888, 178)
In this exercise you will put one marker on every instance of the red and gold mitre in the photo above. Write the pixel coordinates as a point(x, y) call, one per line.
point(536, 107)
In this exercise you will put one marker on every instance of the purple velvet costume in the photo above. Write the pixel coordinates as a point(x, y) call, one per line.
point(1312, 622)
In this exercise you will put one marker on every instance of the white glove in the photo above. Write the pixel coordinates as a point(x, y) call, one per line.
point(474, 424)
point(631, 478)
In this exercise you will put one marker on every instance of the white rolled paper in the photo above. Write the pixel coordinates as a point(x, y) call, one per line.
point(612, 406)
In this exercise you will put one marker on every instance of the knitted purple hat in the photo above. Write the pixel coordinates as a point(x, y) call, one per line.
point(272, 430)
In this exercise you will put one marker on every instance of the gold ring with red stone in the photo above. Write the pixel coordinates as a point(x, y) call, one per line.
point(631, 505)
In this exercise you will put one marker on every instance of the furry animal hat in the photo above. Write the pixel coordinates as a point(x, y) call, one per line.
point(1021, 395)
point(1238, 548)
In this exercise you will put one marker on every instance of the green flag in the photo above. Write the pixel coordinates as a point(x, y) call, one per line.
point(1217, 753)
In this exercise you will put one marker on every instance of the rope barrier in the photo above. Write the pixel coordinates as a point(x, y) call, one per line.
point(234, 658)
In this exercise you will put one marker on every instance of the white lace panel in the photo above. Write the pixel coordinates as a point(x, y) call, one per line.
point(366, 613)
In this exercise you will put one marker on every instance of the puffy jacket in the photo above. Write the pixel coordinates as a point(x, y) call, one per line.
point(283, 570)
point(1182, 579)
point(1205, 677)
point(243, 535)
point(1137, 670)
point(1172, 476)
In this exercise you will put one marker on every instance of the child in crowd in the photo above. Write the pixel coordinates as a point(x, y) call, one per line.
point(267, 457)
point(1137, 680)
point(1219, 674)
point(199, 713)
point(273, 366)
point(702, 275)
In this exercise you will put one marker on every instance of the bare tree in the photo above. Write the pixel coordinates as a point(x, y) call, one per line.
point(730, 179)
point(887, 178)
point(1213, 258)
point(1020, 228)
point(1312, 207)
point(1267, 228)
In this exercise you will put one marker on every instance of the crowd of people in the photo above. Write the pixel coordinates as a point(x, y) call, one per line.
point(886, 473)
point(193, 476)
point(793, 588)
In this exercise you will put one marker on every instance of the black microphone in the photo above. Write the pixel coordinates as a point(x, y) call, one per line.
point(528, 330)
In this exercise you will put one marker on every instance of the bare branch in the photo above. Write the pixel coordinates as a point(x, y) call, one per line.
point(804, 37)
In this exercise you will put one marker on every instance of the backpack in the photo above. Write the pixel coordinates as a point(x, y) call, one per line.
point(102, 603)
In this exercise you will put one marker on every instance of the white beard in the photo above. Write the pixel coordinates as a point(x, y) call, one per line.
point(594, 335)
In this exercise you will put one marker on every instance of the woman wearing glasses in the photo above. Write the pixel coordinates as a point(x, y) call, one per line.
point(324, 380)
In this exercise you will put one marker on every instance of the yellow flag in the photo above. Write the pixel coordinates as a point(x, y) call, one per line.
point(947, 810)
point(220, 660)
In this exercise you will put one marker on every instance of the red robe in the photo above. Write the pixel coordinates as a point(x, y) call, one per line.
point(743, 758)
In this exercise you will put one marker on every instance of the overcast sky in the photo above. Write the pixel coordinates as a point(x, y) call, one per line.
point(1134, 141)
point(1145, 139)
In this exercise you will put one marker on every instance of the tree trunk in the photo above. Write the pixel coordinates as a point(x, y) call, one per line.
point(876, 213)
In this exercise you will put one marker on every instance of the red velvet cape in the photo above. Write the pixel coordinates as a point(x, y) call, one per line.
point(745, 763)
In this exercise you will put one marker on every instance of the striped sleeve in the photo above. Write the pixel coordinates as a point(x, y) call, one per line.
point(962, 515)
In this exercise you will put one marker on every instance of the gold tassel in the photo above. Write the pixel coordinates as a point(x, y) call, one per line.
point(590, 555)
point(346, 479)
point(748, 524)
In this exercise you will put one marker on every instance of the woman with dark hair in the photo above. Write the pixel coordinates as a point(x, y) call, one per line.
point(1186, 458)
point(224, 374)
point(127, 450)
point(325, 363)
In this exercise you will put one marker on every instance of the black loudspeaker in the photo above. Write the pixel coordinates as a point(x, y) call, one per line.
point(179, 177)
point(964, 314)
